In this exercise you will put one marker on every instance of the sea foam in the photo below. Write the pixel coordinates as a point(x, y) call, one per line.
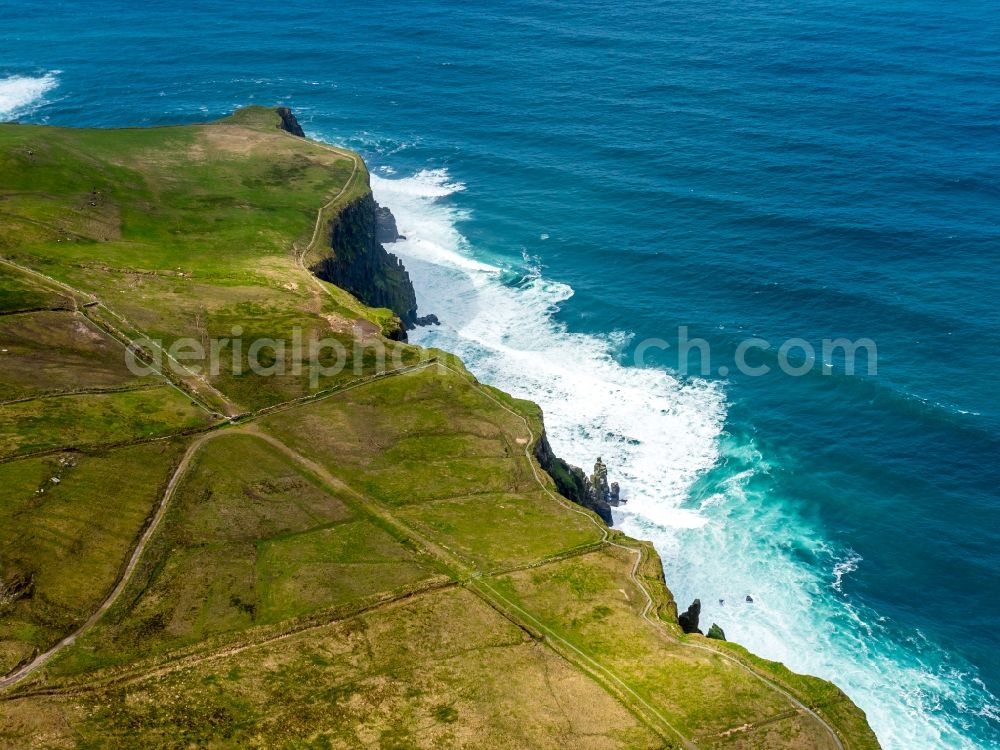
point(656, 432)
point(21, 95)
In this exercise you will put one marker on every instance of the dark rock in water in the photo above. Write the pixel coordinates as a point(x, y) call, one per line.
point(689, 620)
point(609, 493)
point(749, 599)
point(288, 122)
point(716, 633)
point(386, 230)
point(427, 320)
point(599, 480)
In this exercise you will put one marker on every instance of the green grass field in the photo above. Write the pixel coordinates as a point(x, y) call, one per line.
point(184, 233)
point(52, 353)
point(19, 292)
point(439, 670)
point(95, 419)
point(249, 540)
point(67, 522)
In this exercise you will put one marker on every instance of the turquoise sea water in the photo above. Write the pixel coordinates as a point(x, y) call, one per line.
point(577, 179)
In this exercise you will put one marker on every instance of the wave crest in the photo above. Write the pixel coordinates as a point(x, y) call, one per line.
point(22, 95)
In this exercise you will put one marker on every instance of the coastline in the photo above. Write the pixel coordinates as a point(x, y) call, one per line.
point(704, 494)
point(741, 171)
point(427, 458)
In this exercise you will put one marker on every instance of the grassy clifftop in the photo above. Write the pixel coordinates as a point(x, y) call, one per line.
point(349, 547)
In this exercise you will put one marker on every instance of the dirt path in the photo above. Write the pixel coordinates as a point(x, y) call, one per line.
point(154, 523)
point(300, 255)
point(192, 380)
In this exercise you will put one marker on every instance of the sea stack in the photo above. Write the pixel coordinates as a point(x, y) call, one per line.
point(689, 620)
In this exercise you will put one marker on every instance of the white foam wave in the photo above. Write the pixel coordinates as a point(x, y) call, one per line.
point(657, 432)
point(21, 95)
point(698, 493)
point(843, 568)
point(426, 184)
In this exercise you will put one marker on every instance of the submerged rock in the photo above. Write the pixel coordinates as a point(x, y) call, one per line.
point(689, 620)
point(716, 633)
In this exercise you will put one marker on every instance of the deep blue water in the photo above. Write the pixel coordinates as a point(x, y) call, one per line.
point(576, 179)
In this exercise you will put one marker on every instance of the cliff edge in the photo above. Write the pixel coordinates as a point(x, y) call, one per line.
point(360, 264)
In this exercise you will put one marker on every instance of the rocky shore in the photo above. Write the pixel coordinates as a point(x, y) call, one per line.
point(592, 492)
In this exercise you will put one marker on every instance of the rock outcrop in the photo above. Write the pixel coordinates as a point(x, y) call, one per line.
point(689, 620)
point(427, 320)
point(386, 230)
point(16, 586)
point(288, 122)
point(359, 263)
point(593, 492)
point(609, 493)
point(716, 633)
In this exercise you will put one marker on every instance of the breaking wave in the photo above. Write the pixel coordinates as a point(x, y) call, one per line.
point(22, 95)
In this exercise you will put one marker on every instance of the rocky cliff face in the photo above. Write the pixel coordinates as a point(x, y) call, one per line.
point(363, 267)
point(385, 226)
point(688, 620)
point(358, 262)
point(288, 122)
point(591, 492)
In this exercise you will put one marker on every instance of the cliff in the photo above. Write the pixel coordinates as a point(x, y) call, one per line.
point(358, 262)
point(386, 230)
point(573, 483)
point(289, 123)
point(362, 266)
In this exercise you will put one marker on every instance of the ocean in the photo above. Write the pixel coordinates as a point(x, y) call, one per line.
point(584, 185)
